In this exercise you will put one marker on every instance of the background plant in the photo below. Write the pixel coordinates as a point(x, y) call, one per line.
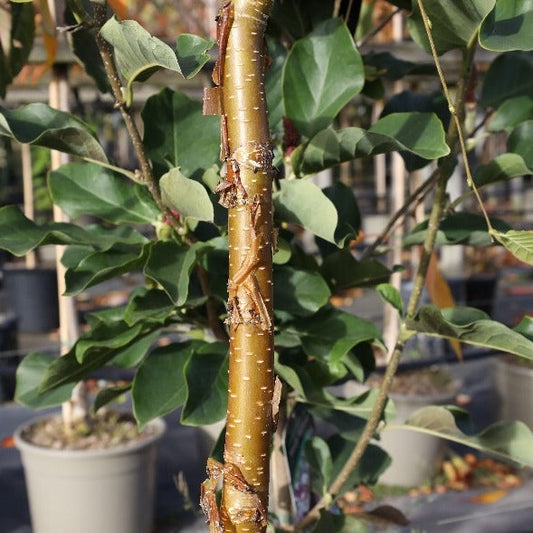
point(316, 70)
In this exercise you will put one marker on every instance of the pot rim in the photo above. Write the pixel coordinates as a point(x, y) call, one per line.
point(158, 424)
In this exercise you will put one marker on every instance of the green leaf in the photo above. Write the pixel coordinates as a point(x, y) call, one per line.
point(170, 265)
point(458, 228)
point(99, 266)
point(507, 440)
point(501, 168)
point(466, 326)
point(109, 394)
point(110, 336)
point(19, 30)
point(331, 333)
point(342, 271)
point(507, 26)
point(177, 134)
point(159, 385)
point(298, 17)
point(373, 463)
point(521, 142)
point(302, 202)
point(30, 373)
point(510, 75)
point(299, 292)
point(526, 327)
point(419, 133)
point(42, 125)
point(391, 68)
point(511, 113)
point(319, 458)
point(339, 523)
point(19, 234)
point(135, 352)
point(278, 53)
point(137, 54)
point(152, 305)
point(519, 243)
point(454, 23)
point(89, 189)
point(206, 373)
point(322, 73)
point(192, 53)
point(187, 196)
point(83, 44)
point(345, 203)
point(390, 294)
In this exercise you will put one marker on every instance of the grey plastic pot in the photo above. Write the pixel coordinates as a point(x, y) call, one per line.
point(515, 389)
point(88, 491)
point(415, 457)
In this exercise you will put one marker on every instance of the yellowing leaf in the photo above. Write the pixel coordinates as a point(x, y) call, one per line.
point(441, 295)
point(488, 498)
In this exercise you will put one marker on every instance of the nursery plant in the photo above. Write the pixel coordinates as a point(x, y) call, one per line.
point(212, 212)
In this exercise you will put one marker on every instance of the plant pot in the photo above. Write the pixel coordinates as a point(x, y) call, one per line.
point(32, 295)
point(87, 491)
point(416, 457)
point(514, 384)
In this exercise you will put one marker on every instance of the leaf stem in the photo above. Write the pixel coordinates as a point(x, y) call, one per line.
point(453, 111)
point(119, 170)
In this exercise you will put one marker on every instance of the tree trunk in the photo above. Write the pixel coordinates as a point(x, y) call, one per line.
point(247, 193)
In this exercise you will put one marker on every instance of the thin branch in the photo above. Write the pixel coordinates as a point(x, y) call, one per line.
point(415, 197)
point(378, 28)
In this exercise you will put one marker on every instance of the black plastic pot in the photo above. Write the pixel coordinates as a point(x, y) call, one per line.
point(32, 295)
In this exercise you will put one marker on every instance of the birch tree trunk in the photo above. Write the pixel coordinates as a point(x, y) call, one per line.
point(247, 193)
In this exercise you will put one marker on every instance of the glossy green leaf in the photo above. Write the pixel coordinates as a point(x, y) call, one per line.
point(454, 23)
point(30, 372)
point(319, 459)
point(42, 125)
point(109, 394)
point(465, 325)
point(511, 113)
point(322, 73)
point(373, 463)
point(342, 271)
point(520, 142)
point(393, 68)
point(19, 234)
point(339, 523)
point(301, 202)
point(18, 27)
point(206, 373)
point(99, 266)
point(132, 354)
point(108, 336)
point(298, 17)
point(345, 203)
point(83, 44)
point(331, 333)
point(510, 75)
point(278, 53)
point(391, 295)
point(89, 189)
point(419, 133)
point(137, 54)
point(346, 425)
point(501, 168)
point(177, 134)
point(170, 265)
point(152, 305)
point(519, 243)
point(159, 385)
point(187, 196)
point(507, 440)
point(192, 53)
point(299, 292)
point(525, 327)
point(507, 26)
point(458, 228)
